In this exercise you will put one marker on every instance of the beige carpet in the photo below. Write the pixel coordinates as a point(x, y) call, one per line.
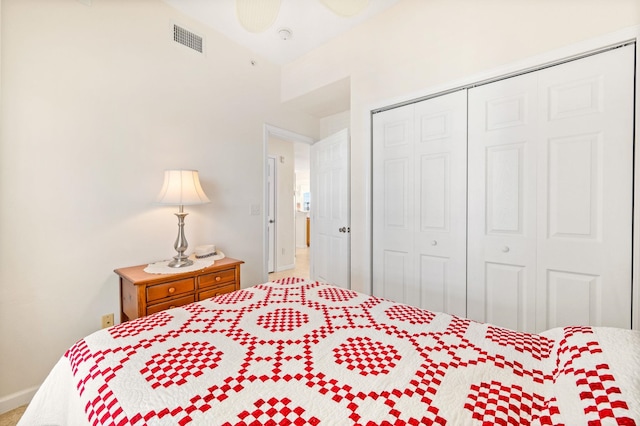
point(301, 269)
point(11, 418)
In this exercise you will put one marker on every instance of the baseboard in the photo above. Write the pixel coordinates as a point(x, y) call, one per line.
point(17, 399)
point(285, 267)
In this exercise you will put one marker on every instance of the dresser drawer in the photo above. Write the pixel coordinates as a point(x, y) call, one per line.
point(216, 291)
point(142, 293)
point(170, 289)
point(169, 304)
point(217, 278)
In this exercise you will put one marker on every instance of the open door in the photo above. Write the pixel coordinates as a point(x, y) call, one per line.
point(330, 210)
point(271, 214)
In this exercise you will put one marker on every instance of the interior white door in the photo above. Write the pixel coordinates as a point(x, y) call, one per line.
point(271, 214)
point(393, 275)
point(550, 196)
point(585, 191)
point(419, 204)
point(330, 210)
point(502, 203)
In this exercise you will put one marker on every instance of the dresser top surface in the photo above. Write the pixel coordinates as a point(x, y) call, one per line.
point(137, 275)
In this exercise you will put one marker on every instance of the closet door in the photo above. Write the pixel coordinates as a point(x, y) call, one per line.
point(585, 178)
point(550, 196)
point(419, 216)
point(502, 147)
point(393, 205)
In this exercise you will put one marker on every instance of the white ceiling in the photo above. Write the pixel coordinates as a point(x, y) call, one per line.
point(310, 21)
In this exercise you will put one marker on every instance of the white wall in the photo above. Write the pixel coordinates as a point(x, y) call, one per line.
point(334, 123)
point(97, 101)
point(285, 191)
point(417, 45)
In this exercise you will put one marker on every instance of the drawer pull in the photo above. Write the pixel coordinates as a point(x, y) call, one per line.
point(172, 306)
point(172, 290)
point(218, 278)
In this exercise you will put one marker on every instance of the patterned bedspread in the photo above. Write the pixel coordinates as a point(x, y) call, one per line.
point(306, 353)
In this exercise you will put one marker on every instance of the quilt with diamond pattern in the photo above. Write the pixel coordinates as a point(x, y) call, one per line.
point(297, 352)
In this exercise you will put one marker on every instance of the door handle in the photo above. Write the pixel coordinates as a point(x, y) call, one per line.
point(343, 229)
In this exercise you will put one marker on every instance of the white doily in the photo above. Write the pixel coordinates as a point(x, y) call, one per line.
point(163, 267)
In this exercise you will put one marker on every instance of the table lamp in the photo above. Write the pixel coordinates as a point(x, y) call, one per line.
point(181, 188)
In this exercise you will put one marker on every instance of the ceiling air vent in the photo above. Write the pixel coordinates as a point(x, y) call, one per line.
point(186, 37)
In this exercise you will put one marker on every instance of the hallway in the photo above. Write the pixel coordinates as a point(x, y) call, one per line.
point(301, 269)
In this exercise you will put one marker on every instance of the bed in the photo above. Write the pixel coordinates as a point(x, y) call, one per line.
point(300, 352)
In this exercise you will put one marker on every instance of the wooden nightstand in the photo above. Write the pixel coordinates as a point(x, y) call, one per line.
point(144, 294)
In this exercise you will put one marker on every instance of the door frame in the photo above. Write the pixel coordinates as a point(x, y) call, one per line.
point(272, 197)
point(270, 131)
point(552, 57)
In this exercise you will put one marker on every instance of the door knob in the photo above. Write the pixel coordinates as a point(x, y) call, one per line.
point(505, 249)
point(343, 229)
point(271, 221)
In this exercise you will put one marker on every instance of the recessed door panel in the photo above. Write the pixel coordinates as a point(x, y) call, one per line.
point(395, 277)
point(573, 298)
point(504, 294)
point(434, 192)
point(575, 187)
point(396, 197)
point(575, 98)
point(433, 282)
point(504, 189)
point(435, 126)
point(506, 111)
point(396, 133)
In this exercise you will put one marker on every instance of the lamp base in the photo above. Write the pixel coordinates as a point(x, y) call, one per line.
point(181, 244)
point(180, 261)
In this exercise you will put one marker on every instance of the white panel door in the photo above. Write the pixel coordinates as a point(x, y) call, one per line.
point(329, 210)
point(440, 158)
point(419, 217)
point(393, 205)
point(585, 178)
point(550, 196)
point(502, 203)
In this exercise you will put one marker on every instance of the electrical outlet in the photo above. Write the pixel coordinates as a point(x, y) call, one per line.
point(107, 320)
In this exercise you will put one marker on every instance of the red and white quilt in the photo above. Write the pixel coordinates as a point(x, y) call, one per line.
point(307, 353)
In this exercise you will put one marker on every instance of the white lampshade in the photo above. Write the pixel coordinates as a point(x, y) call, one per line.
point(346, 7)
point(181, 188)
point(257, 15)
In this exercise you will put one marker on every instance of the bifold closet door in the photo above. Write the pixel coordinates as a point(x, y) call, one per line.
point(502, 149)
point(550, 195)
point(419, 204)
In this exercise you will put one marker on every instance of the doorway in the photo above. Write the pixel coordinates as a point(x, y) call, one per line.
point(287, 202)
